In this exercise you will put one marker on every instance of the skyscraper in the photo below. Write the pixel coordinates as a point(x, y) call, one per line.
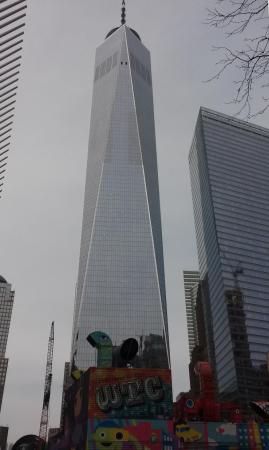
point(191, 282)
point(121, 283)
point(229, 165)
point(12, 23)
point(6, 305)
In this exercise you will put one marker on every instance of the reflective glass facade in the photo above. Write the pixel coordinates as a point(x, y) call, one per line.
point(229, 165)
point(121, 284)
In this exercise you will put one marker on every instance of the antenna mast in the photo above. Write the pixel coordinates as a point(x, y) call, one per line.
point(237, 271)
point(123, 13)
point(48, 378)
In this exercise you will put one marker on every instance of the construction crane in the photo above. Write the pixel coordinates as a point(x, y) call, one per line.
point(48, 378)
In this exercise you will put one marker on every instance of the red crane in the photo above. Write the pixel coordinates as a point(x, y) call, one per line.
point(48, 378)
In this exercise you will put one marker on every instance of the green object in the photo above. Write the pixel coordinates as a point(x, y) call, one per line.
point(102, 342)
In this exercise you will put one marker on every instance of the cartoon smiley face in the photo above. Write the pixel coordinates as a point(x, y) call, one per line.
point(110, 438)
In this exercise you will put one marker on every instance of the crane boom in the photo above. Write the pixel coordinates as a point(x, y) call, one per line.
point(48, 379)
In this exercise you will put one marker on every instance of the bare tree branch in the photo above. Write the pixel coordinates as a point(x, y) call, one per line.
point(252, 59)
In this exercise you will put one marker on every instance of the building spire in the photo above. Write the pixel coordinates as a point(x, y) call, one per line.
point(123, 13)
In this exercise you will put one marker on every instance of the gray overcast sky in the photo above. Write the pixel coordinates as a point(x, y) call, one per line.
point(41, 209)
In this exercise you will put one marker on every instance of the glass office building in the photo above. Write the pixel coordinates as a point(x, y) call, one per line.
point(229, 165)
point(121, 284)
point(6, 306)
point(12, 23)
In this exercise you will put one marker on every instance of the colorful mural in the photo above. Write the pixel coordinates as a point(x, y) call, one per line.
point(223, 435)
point(130, 435)
point(252, 435)
point(187, 432)
point(130, 393)
point(131, 409)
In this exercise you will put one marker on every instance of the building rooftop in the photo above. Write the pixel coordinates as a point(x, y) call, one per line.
point(2, 280)
point(234, 121)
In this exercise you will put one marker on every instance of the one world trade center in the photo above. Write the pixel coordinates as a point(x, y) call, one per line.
point(121, 282)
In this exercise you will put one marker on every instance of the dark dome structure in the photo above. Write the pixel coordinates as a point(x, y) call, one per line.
point(115, 29)
point(2, 280)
